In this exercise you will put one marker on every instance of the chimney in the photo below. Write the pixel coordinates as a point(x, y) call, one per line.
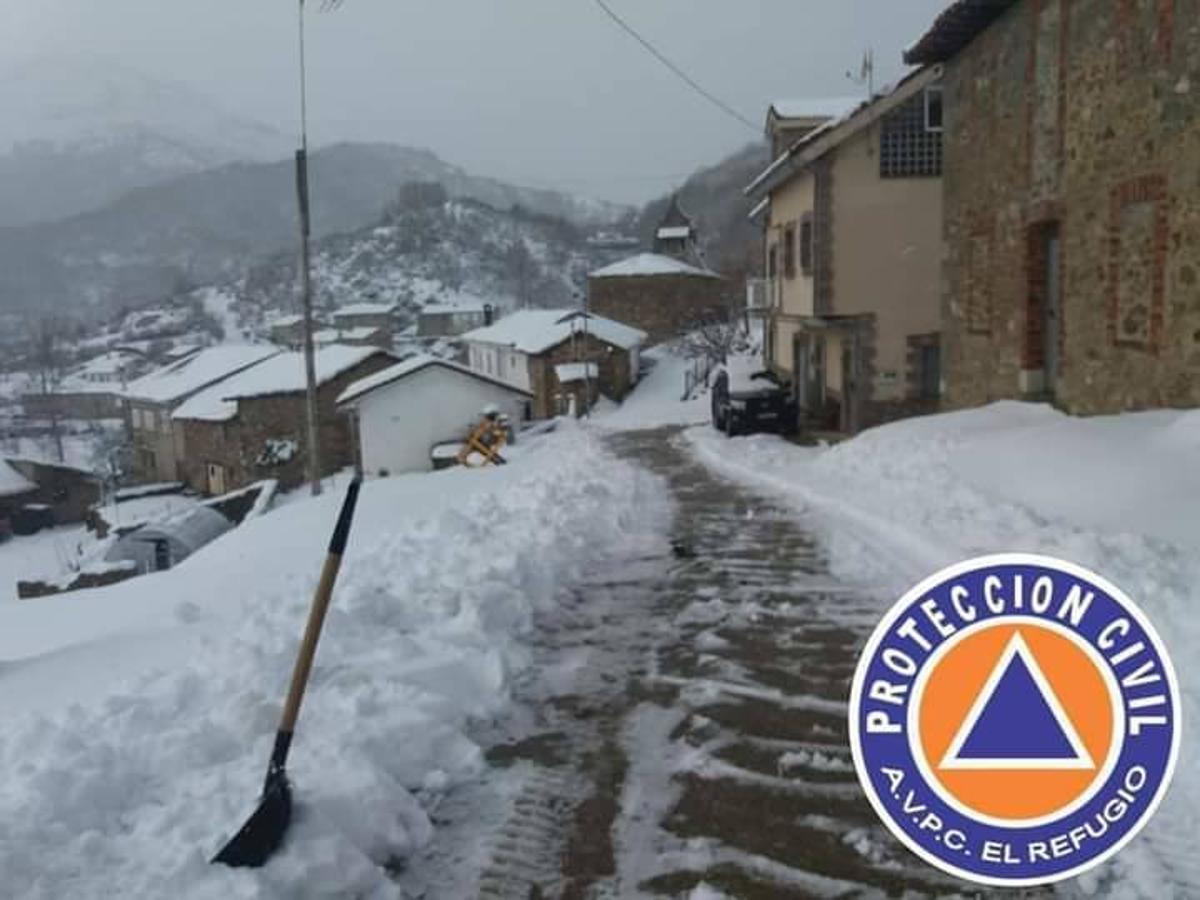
point(489, 314)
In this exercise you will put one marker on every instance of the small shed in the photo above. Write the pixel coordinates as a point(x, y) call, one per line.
point(163, 545)
point(403, 412)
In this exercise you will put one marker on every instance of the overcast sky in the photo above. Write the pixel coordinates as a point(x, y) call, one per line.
point(544, 92)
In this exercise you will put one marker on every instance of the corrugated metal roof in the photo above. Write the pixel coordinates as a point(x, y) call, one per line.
point(956, 27)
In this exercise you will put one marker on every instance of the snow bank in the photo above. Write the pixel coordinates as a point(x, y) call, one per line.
point(143, 745)
point(1118, 494)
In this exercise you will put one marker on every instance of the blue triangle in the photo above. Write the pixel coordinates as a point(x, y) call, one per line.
point(1016, 722)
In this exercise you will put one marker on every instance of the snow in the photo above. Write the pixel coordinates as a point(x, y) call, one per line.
point(1116, 494)
point(536, 330)
point(12, 482)
point(649, 264)
point(282, 373)
point(816, 108)
point(674, 232)
point(568, 372)
point(180, 380)
point(365, 309)
point(408, 367)
point(139, 717)
point(47, 555)
point(655, 401)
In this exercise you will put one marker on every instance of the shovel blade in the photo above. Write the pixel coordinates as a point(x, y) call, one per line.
point(263, 832)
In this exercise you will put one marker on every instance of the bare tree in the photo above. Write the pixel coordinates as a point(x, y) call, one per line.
point(715, 342)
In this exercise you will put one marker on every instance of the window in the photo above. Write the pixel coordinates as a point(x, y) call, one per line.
point(789, 251)
point(933, 108)
point(773, 262)
point(908, 148)
point(930, 371)
point(806, 244)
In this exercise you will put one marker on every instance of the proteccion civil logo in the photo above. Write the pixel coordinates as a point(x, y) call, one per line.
point(1014, 720)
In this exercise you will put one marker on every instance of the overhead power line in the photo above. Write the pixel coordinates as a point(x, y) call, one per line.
point(687, 79)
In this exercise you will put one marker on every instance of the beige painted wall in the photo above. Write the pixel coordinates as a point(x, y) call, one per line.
point(887, 254)
point(795, 295)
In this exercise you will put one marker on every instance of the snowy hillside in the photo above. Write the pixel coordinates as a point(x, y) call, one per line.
point(79, 132)
point(436, 251)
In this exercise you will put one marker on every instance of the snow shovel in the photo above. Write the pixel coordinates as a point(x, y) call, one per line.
point(263, 832)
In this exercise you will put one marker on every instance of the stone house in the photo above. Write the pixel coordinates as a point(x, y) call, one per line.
point(852, 217)
point(524, 348)
point(1072, 201)
point(439, 320)
point(660, 295)
point(36, 494)
point(288, 331)
point(150, 400)
point(366, 324)
point(253, 426)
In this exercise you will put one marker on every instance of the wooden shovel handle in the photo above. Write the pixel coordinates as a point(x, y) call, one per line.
point(316, 615)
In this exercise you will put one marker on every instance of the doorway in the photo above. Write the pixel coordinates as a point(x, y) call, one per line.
point(216, 479)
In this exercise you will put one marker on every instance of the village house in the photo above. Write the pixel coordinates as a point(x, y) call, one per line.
point(853, 232)
point(660, 295)
point(401, 413)
point(36, 495)
point(151, 399)
point(1072, 269)
point(444, 320)
point(523, 349)
point(288, 331)
point(366, 324)
point(252, 426)
point(91, 391)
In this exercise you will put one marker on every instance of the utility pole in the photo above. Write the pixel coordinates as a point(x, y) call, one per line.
point(306, 287)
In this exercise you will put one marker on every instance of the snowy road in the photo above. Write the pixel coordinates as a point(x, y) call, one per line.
point(682, 729)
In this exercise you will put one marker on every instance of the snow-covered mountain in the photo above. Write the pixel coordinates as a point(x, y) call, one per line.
point(77, 132)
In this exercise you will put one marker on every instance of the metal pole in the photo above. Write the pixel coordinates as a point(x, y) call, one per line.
point(306, 291)
point(587, 375)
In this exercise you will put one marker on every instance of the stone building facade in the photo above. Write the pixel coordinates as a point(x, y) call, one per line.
point(267, 438)
point(616, 373)
point(660, 295)
point(1072, 201)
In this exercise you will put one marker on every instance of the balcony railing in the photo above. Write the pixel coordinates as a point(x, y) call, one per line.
point(760, 295)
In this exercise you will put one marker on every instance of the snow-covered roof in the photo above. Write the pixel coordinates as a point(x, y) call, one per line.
point(281, 374)
point(365, 309)
point(286, 321)
point(447, 309)
point(815, 108)
point(12, 482)
point(568, 372)
point(179, 380)
point(648, 264)
point(674, 232)
point(536, 330)
point(411, 366)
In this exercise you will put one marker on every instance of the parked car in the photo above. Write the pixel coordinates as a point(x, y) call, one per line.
point(747, 398)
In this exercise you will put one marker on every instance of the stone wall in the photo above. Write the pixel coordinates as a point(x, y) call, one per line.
point(240, 444)
point(1081, 119)
point(663, 306)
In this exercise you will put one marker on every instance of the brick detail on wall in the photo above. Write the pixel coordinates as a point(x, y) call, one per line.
point(823, 237)
point(1137, 261)
point(1166, 29)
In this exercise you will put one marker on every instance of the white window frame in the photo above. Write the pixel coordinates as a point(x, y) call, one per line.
point(929, 91)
